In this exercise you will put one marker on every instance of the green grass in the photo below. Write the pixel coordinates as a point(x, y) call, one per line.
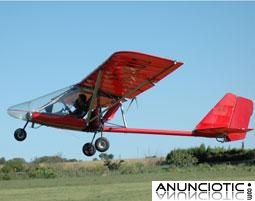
point(90, 188)
point(88, 192)
point(114, 186)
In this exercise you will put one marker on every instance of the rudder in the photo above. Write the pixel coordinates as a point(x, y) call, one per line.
point(241, 118)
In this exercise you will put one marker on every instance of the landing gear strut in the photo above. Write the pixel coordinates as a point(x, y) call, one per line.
point(101, 145)
point(20, 134)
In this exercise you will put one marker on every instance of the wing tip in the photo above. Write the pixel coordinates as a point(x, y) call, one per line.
point(144, 54)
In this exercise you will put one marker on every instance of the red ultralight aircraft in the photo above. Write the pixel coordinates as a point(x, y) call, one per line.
point(122, 77)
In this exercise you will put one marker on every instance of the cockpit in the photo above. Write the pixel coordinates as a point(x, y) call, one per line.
point(60, 102)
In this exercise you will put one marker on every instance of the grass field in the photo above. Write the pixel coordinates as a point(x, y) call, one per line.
point(114, 186)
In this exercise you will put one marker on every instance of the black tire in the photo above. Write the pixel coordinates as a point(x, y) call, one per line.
point(20, 134)
point(102, 144)
point(89, 149)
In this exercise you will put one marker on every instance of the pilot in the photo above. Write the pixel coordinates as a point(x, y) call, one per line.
point(81, 106)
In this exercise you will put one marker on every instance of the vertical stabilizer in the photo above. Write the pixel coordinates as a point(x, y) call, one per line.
point(229, 118)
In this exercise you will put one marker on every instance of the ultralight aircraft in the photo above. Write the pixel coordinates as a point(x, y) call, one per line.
point(89, 105)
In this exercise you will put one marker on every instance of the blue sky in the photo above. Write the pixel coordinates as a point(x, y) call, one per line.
point(45, 46)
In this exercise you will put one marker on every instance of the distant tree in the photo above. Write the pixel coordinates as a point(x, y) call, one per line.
point(2, 161)
point(242, 144)
point(49, 159)
point(72, 160)
point(105, 156)
point(149, 157)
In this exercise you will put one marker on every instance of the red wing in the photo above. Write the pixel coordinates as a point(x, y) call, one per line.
point(127, 74)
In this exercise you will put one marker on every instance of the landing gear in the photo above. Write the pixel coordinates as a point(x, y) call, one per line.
point(101, 145)
point(89, 149)
point(20, 134)
point(222, 138)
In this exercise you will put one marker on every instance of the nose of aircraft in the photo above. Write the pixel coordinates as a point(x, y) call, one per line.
point(20, 111)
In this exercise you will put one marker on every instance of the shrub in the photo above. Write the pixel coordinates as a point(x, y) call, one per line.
point(199, 155)
point(41, 172)
point(14, 165)
point(6, 177)
point(113, 165)
point(135, 168)
point(181, 158)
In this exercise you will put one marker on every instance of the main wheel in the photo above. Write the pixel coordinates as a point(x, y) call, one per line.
point(102, 144)
point(89, 149)
point(20, 134)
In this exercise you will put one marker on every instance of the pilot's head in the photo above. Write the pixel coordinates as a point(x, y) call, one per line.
point(82, 97)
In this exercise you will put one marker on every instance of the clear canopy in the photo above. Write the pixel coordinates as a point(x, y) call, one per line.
point(58, 102)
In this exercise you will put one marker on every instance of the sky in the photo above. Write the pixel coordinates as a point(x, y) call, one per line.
point(45, 46)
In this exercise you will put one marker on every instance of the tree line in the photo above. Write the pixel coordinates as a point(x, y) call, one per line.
point(203, 154)
point(55, 166)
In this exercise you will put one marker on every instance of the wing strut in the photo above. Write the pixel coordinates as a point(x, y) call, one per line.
point(94, 95)
point(123, 116)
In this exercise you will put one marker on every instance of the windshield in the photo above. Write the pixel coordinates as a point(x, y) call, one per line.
point(59, 102)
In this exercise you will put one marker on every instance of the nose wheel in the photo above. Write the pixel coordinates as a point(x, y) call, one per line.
point(20, 134)
point(101, 145)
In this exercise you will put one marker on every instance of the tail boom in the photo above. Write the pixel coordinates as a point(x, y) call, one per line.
point(227, 120)
point(147, 131)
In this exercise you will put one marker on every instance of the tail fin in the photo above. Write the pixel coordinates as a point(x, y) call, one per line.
point(229, 119)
